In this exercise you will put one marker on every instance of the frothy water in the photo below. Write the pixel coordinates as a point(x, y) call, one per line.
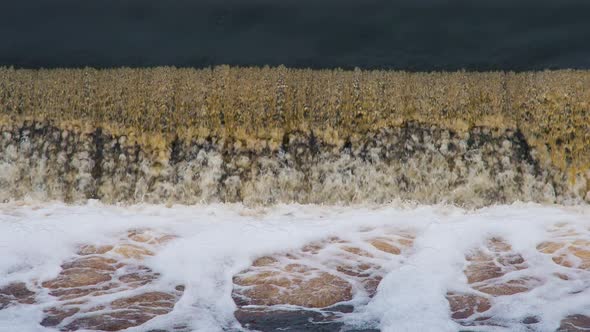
point(414, 162)
point(202, 248)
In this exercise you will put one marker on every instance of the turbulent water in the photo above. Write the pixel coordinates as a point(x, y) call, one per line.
point(255, 252)
point(414, 162)
point(201, 249)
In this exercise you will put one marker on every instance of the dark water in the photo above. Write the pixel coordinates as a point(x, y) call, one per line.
point(412, 35)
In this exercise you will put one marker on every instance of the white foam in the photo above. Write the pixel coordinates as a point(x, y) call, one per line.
point(217, 241)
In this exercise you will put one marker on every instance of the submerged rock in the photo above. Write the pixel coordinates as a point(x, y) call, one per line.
point(123, 313)
point(465, 305)
point(15, 293)
point(82, 286)
point(488, 273)
point(319, 279)
point(575, 323)
point(568, 249)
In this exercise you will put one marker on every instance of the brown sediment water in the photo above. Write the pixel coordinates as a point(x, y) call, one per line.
point(272, 135)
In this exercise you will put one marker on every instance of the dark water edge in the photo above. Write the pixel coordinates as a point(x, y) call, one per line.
point(325, 320)
point(409, 35)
